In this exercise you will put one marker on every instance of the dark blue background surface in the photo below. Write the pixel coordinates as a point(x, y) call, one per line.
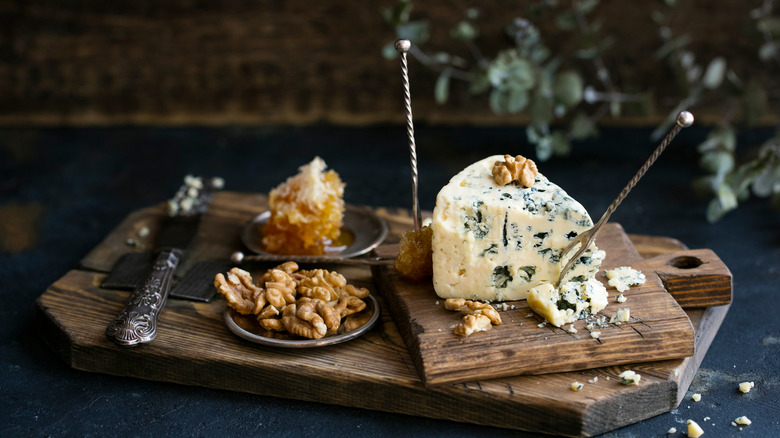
point(87, 180)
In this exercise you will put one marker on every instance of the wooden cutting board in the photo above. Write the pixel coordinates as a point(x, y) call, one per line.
point(376, 371)
point(523, 344)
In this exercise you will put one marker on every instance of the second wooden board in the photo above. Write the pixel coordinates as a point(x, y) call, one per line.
point(523, 344)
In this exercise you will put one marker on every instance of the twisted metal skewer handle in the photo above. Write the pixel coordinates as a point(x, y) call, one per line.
point(684, 120)
point(239, 257)
point(403, 46)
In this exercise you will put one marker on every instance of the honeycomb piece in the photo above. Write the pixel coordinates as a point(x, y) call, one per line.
point(415, 257)
point(307, 212)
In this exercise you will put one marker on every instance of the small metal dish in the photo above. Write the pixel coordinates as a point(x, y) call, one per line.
point(287, 341)
point(366, 229)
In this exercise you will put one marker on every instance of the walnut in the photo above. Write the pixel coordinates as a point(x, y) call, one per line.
point(268, 311)
point(297, 326)
point(473, 308)
point(321, 284)
point(354, 321)
point(348, 305)
point(471, 324)
point(516, 168)
point(273, 324)
point(279, 288)
point(351, 290)
point(316, 310)
point(239, 292)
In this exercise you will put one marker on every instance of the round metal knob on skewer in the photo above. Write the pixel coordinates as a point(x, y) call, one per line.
point(684, 119)
point(237, 257)
point(403, 46)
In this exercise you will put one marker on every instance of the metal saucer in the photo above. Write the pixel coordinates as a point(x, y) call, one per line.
point(367, 229)
point(286, 341)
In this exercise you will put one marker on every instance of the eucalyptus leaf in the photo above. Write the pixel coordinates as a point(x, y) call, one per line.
point(769, 24)
point(767, 182)
point(717, 162)
point(568, 88)
point(544, 149)
point(418, 32)
point(517, 100)
point(715, 211)
point(723, 138)
point(582, 127)
point(586, 6)
point(521, 74)
point(464, 31)
point(615, 108)
point(714, 74)
point(389, 51)
point(560, 145)
point(767, 51)
point(541, 109)
point(441, 58)
point(441, 90)
point(399, 14)
point(479, 82)
point(498, 101)
point(672, 46)
point(726, 197)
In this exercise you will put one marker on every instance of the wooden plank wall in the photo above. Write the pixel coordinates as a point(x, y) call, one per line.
point(265, 62)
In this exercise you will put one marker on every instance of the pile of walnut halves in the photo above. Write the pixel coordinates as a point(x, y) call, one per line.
point(309, 304)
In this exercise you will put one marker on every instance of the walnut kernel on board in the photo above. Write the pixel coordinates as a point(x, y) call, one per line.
point(478, 316)
point(516, 168)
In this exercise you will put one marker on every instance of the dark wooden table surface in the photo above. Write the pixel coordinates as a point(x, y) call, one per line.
point(62, 190)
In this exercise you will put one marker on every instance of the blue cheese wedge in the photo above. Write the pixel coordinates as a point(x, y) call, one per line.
point(496, 243)
point(572, 301)
point(624, 277)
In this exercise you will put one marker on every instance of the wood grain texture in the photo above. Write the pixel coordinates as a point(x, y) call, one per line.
point(376, 371)
point(239, 62)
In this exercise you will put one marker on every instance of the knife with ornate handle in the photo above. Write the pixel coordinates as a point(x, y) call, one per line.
point(137, 323)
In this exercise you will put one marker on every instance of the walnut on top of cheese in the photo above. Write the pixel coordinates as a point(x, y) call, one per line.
point(495, 243)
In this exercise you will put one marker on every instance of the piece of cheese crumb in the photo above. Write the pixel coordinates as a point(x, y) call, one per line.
point(745, 387)
point(624, 277)
point(671, 431)
point(594, 380)
point(595, 335)
point(694, 430)
point(621, 298)
point(696, 397)
point(743, 421)
point(622, 315)
point(576, 386)
point(629, 377)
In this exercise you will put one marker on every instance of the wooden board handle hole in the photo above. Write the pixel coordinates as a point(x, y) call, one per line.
point(685, 262)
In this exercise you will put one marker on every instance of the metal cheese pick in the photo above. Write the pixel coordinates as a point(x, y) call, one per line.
point(403, 46)
point(684, 120)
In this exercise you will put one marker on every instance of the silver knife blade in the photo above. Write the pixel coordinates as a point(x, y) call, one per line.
point(137, 323)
